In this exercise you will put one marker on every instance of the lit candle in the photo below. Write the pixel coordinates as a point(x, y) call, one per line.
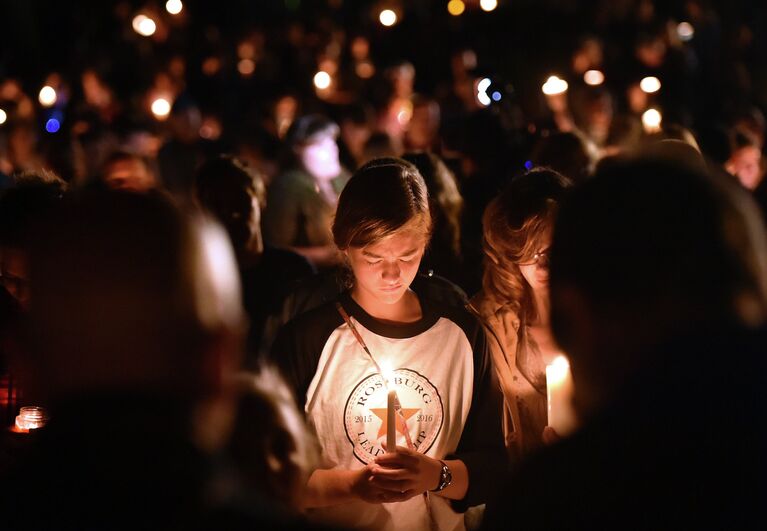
point(559, 391)
point(31, 418)
point(391, 407)
point(391, 422)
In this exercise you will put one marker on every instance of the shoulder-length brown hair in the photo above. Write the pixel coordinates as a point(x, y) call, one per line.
point(514, 224)
point(384, 196)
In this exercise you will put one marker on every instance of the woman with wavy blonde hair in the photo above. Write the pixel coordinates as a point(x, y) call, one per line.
point(514, 301)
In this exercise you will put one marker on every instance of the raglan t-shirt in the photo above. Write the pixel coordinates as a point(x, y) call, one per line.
point(440, 368)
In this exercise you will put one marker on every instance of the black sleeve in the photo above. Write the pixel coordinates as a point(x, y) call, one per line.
point(481, 446)
point(310, 293)
point(284, 356)
point(297, 349)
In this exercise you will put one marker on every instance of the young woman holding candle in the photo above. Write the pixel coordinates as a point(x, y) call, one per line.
point(514, 300)
point(390, 332)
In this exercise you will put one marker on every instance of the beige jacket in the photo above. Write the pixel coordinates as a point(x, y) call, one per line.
point(525, 413)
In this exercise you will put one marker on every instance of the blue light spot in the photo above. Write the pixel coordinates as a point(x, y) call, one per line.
point(529, 165)
point(52, 125)
point(496, 96)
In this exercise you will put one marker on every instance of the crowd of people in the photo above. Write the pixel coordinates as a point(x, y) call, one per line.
point(282, 304)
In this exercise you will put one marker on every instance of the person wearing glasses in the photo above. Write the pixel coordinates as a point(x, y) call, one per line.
point(514, 301)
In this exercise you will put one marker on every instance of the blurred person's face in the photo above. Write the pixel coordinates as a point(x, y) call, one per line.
point(588, 56)
point(600, 116)
point(14, 274)
point(745, 164)
point(652, 53)
point(284, 113)
point(21, 143)
point(355, 136)
point(384, 270)
point(536, 270)
point(186, 125)
point(423, 126)
point(129, 174)
point(96, 93)
point(360, 48)
point(637, 98)
point(402, 80)
point(320, 158)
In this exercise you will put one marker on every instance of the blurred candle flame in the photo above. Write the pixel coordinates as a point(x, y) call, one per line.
point(651, 120)
point(593, 78)
point(650, 84)
point(387, 17)
point(488, 5)
point(47, 96)
point(554, 85)
point(174, 7)
point(143, 25)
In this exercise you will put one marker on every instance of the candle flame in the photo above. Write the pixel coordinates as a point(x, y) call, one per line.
point(554, 85)
point(386, 372)
point(652, 119)
point(557, 370)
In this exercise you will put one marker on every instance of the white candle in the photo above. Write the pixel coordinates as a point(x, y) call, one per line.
point(391, 422)
point(559, 392)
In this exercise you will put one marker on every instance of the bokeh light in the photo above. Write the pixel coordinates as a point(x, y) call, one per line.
point(685, 31)
point(52, 125)
point(651, 120)
point(211, 66)
point(174, 7)
point(3, 116)
point(143, 25)
point(322, 80)
point(161, 108)
point(404, 109)
point(593, 78)
point(365, 69)
point(388, 17)
point(482, 87)
point(488, 5)
point(456, 7)
point(554, 85)
point(650, 85)
point(47, 96)
point(246, 67)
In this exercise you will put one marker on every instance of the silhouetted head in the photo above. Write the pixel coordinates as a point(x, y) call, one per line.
point(130, 294)
point(645, 252)
point(32, 197)
point(229, 189)
point(128, 171)
point(270, 444)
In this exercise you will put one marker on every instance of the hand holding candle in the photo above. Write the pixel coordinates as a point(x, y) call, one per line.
point(559, 392)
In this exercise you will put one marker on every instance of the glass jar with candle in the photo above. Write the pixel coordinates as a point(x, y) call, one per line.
point(31, 418)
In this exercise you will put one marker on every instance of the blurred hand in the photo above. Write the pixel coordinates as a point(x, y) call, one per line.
point(406, 471)
point(367, 489)
point(550, 436)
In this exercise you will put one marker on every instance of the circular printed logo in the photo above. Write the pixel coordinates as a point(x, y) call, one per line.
point(365, 415)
